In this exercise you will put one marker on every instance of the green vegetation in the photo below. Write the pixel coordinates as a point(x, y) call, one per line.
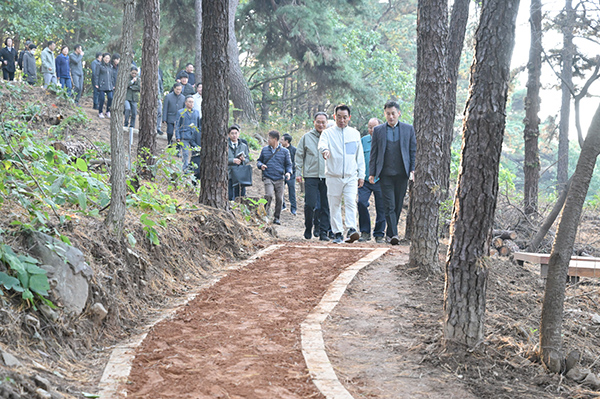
point(28, 278)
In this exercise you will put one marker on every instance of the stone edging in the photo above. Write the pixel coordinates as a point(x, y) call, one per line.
point(313, 345)
point(119, 365)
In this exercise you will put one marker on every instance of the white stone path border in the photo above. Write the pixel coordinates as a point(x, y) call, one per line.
point(313, 345)
point(117, 369)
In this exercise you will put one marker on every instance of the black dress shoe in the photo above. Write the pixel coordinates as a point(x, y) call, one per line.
point(324, 237)
point(352, 236)
point(276, 221)
point(307, 234)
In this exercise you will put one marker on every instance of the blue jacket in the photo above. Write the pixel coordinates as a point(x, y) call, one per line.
point(278, 162)
point(62, 66)
point(186, 124)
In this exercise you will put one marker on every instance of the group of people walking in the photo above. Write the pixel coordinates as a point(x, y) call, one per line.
point(338, 166)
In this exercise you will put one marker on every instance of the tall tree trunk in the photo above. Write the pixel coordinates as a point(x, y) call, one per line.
point(456, 38)
point(566, 86)
point(116, 213)
point(215, 104)
point(554, 295)
point(432, 35)
point(531, 163)
point(198, 57)
point(265, 104)
point(475, 199)
point(240, 93)
point(149, 93)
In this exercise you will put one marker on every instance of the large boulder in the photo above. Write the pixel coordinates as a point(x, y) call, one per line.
point(68, 273)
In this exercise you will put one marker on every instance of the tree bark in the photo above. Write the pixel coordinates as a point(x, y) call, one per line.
point(215, 104)
point(240, 93)
point(558, 205)
point(475, 198)
point(116, 213)
point(265, 105)
point(566, 86)
point(456, 38)
point(554, 295)
point(198, 57)
point(432, 36)
point(149, 91)
point(531, 164)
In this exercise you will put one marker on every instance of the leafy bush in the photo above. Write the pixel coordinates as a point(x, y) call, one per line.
point(23, 276)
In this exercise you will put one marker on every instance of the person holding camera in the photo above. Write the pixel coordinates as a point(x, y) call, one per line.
point(237, 155)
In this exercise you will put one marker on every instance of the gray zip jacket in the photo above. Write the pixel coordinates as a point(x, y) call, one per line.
point(309, 162)
point(48, 65)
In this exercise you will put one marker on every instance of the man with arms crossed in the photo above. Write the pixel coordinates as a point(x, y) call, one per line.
point(310, 165)
point(342, 150)
point(393, 149)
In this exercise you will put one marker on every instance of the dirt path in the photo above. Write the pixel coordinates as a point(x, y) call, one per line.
point(241, 338)
point(375, 334)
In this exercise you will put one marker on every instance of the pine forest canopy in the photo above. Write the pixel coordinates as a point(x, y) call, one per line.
point(300, 56)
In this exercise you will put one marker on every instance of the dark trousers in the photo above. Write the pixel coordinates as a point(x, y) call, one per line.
point(109, 98)
point(291, 184)
point(364, 220)
point(130, 113)
point(8, 75)
point(315, 194)
point(393, 190)
point(170, 130)
point(96, 97)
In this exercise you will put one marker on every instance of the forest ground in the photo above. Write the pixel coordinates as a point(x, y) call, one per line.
point(384, 338)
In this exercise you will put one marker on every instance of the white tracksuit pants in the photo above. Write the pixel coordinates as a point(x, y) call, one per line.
point(338, 188)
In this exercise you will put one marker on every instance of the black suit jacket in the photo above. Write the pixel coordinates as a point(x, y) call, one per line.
point(408, 146)
point(10, 56)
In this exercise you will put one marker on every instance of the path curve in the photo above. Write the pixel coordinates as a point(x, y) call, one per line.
point(241, 337)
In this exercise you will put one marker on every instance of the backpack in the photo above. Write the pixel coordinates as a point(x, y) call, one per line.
point(20, 59)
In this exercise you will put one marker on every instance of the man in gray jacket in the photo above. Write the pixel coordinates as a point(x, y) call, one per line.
point(29, 68)
point(76, 66)
point(48, 64)
point(174, 101)
point(310, 165)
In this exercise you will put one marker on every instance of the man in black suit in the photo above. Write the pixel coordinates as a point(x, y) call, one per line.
point(393, 149)
point(8, 59)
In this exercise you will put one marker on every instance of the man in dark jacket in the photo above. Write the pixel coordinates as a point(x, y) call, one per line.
point(276, 164)
point(76, 64)
point(132, 97)
point(29, 68)
point(187, 89)
point(8, 59)
point(174, 101)
point(189, 70)
point(116, 59)
point(94, 66)
point(188, 124)
point(22, 53)
point(393, 149)
point(291, 183)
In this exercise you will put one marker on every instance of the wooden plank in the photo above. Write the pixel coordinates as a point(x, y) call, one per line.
point(579, 266)
point(532, 257)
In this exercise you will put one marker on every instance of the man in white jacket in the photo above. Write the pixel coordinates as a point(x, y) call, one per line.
point(342, 150)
